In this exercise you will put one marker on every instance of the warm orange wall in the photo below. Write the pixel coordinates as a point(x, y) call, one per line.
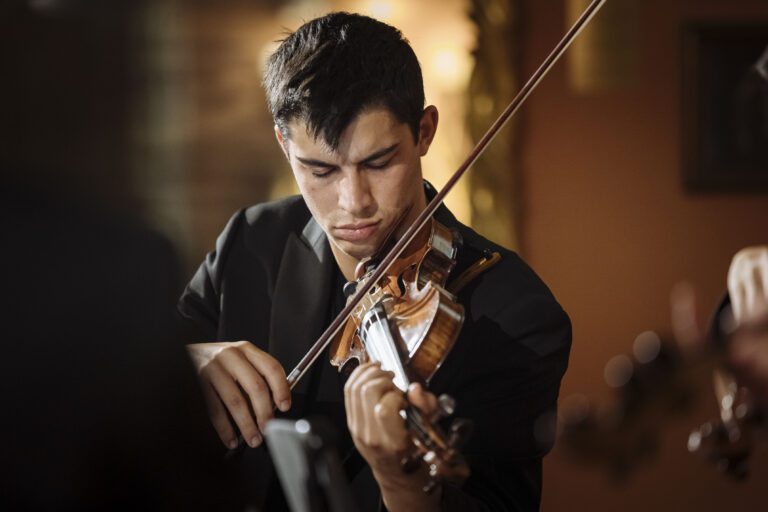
point(607, 223)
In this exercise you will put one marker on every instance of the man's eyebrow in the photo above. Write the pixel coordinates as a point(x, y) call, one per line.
point(314, 163)
point(373, 156)
point(378, 154)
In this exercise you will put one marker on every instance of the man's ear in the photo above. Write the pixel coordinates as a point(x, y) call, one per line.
point(427, 128)
point(282, 141)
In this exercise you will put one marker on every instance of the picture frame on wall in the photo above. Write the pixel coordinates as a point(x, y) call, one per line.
point(725, 107)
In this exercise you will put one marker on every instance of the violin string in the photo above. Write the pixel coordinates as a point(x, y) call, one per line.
point(333, 329)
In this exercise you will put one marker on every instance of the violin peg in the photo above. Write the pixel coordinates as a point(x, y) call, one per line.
point(460, 432)
point(430, 487)
point(349, 289)
point(362, 267)
point(446, 405)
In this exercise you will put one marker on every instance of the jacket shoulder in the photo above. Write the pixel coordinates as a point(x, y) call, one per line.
point(245, 261)
point(274, 220)
point(259, 231)
point(513, 294)
point(511, 274)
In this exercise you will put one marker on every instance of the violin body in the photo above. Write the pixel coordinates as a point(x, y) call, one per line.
point(424, 318)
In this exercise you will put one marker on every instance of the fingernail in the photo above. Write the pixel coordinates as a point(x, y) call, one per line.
point(232, 444)
point(255, 441)
point(285, 405)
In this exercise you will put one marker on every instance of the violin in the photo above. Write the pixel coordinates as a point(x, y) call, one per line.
point(409, 322)
point(399, 312)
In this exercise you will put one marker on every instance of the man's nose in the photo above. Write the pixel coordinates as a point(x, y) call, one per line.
point(355, 194)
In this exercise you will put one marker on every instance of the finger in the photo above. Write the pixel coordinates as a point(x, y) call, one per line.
point(349, 387)
point(394, 434)
point(372, 389)
point(750, 290)
point(735, 289)
point(235, 402)
point(360, 372)
point(218, 415)
point(354, 392)
point(358, 375)
point(421, 398)
point(252, 383)
point(371, 392)
point(757, 302)
point(763, 265)
point(274, 374)
point(355, 388)
point(738, 300)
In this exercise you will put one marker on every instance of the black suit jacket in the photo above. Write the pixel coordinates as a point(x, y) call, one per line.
point(269, 281)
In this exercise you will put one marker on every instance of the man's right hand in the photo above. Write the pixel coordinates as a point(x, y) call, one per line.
point(243, 383)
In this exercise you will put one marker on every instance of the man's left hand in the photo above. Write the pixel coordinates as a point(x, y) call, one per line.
point(373, 405)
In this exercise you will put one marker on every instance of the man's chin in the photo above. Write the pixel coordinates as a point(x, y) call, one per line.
point(357, 251)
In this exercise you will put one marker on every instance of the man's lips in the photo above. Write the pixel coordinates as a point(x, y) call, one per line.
point(356, 232)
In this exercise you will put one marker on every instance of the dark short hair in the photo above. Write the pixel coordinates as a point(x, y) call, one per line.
point(334, 67)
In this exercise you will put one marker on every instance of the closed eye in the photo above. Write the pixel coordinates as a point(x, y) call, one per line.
point(381, 158)
point(318, 168)
point(377, 165)
point(323, 172)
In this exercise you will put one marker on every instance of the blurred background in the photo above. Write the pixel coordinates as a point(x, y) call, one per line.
point(607, 183)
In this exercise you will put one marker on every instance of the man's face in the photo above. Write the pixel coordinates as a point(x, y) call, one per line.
point(359, 191)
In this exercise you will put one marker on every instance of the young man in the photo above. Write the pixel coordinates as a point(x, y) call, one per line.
point(347, 97)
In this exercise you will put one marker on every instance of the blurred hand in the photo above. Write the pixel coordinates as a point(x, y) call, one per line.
point(373, 404)
point(748, 346)
point(243, 383)
point(748, 283)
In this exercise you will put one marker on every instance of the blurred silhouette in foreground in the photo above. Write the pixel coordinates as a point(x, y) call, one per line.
point(100, 409)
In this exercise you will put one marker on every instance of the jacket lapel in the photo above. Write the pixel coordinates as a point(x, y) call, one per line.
point(300, 303)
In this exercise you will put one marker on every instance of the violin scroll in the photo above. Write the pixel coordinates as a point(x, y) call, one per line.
point(432, 446)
